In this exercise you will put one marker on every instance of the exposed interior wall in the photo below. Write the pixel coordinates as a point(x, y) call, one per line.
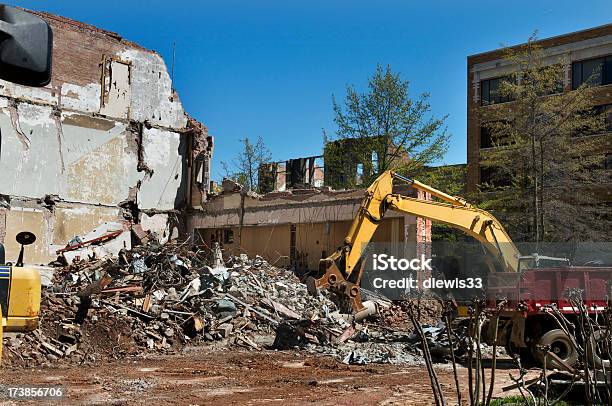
point(294, 228)
point(106, 141)
point(297, 173)
point(313, 241)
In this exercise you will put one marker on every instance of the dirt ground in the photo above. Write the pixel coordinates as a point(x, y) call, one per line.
point(205, 376)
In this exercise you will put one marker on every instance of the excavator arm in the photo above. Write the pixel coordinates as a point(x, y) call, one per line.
point(341, 272)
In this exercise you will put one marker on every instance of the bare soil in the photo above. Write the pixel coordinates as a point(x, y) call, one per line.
point(213, 376)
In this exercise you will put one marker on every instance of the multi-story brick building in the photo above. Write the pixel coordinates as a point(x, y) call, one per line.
point(585, 55)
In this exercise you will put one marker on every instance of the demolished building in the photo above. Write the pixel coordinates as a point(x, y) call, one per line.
point(298, 218)
point(296, 173)
point(296, 228)
point(105, 145)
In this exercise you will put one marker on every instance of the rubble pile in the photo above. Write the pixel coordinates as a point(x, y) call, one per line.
point(373, 342)
point(158, 298)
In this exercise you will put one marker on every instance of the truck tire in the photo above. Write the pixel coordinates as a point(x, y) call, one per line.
point(560, 344)
point(593, 355)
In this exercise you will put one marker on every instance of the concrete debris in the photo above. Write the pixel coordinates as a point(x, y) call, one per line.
point(230, 186)
point(162, 297)
point(355, 358)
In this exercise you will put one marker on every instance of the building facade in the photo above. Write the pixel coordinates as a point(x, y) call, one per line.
point(295, 228)
point(106, 144)
point(584, 55)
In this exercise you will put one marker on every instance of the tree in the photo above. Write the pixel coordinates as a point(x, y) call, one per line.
point(383, 129)
point(244, 168)
point(544, 166)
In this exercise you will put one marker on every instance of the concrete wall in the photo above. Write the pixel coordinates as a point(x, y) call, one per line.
point(107, 130)
point(262, 225)
point(313, 241)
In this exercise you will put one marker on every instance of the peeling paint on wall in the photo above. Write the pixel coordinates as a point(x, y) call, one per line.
point(117, 93)
point(81, 98)
point(29, 171)
point(152, 97)
point(70, 158)
point(166, 156)
point(41, 95)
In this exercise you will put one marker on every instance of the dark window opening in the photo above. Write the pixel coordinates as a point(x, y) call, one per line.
point(490, 92)
point(592, 72)
point(608, 161)
point(228, 236)
point(489, 138)
point(485, 137)
point(493, 177)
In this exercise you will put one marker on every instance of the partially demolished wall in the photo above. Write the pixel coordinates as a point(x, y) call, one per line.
point(107, 141)
point(295, 228)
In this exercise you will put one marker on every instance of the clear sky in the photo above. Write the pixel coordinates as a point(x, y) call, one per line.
point(269, 67)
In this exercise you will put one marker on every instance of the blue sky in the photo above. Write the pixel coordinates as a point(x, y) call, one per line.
point(268, 68)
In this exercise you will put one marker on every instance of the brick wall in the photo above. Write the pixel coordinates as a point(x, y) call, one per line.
point(574, 46)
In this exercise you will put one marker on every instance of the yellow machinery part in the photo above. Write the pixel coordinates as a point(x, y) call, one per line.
point(341, 271)
point(24, 300)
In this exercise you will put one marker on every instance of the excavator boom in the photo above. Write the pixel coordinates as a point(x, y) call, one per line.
point(341, 272)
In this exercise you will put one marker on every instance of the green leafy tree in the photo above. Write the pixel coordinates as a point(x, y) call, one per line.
point(381, 129)
point(244, 168)
point(544, 165)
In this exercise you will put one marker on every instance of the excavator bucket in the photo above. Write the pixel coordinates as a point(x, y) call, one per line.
point(347, 293)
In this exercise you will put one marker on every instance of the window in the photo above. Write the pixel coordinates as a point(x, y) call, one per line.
point(593, 72)
point(359, 175)
point(493, 134)
point(375, 161)
point(493, 177)
point(608, 161)
point(490, 91)
point(485, 137)
point(228, 236)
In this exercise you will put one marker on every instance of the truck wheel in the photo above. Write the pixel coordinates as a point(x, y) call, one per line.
point(560, 344)
point(594, 354)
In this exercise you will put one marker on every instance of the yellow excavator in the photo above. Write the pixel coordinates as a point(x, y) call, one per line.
point(341, 272)
point(26, 44)
point(522, 327)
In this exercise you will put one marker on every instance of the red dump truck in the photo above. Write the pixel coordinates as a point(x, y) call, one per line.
point(527, 323)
